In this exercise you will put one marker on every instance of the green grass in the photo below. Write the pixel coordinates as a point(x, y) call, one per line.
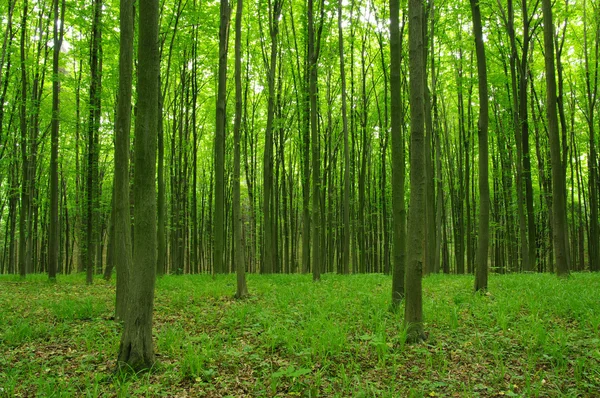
point(532, 335)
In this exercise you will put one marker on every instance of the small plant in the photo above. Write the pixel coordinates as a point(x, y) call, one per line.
point(18, 333)
point(290, 374)
point(70, 310)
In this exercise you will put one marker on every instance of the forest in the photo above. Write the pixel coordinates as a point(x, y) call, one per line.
point(299, 198)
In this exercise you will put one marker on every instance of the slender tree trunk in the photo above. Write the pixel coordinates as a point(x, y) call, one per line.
point(345, 266)
point(110, 247)
point(92, 160)
point(54, 232)
point(161, 254)
point(219, 153)
point(314, 129)
point(591, 82)
point(24, 255)
point(398, 162)
point(194, 205)
point(238, 244)
point(428, 35)
point(481, 262)
point(526, 265)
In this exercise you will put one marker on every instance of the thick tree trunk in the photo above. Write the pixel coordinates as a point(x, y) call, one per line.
point(413, 311)
point(559, 208)
point(122, 219)
point(269, 247)
point(136, 350)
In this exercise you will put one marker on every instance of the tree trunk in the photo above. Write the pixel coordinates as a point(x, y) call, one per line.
point(559, 208)
point(24, 254)
point(92, 156)
point(413, 311)
point(219, 153)
point(315, 153)
point(526, 265)
point(481, 262)
point(591, 82)
point(136, 350)
point(345, 266)
point(398, 162)
point(122, 227)
point(269, 247)
point(54, 231)
point(238, 241)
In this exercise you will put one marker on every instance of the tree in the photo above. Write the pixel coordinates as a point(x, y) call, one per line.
point(398, 162)
point(92, 156)
point(269, 248)
point(559, 208)
point(313, 55)
point(481, 262)
point(24, 230)
point(345, 267)
point(219, 154)
point(519, 124)
point(591, 85)
point(238, 242)
point(413, 310)
point(53, 233)
point(325, 113)
point(136, 350)
point(122, 218)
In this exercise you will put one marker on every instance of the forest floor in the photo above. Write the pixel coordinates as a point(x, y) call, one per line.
point(531, 335)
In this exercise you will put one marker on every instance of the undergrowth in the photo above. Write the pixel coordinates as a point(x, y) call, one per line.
point(532, 335)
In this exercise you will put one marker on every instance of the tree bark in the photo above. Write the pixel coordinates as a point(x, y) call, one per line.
point(219, 154)
point(526, 265)
point(345, 266)
point(269, 247)
point(54, 231)
point(481, 262)
point(24, 255)
point(559, 208)
point(122, 228)
point(398, 162)
point(238, 241)
point(591, 82)
point(413, 311)
point(313, 54)
point(136, 350)
point(92, 156)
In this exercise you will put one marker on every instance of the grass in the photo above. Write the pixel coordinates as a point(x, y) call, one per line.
point(532, 335)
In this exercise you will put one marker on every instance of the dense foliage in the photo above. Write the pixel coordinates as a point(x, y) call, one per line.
point(520, 172)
